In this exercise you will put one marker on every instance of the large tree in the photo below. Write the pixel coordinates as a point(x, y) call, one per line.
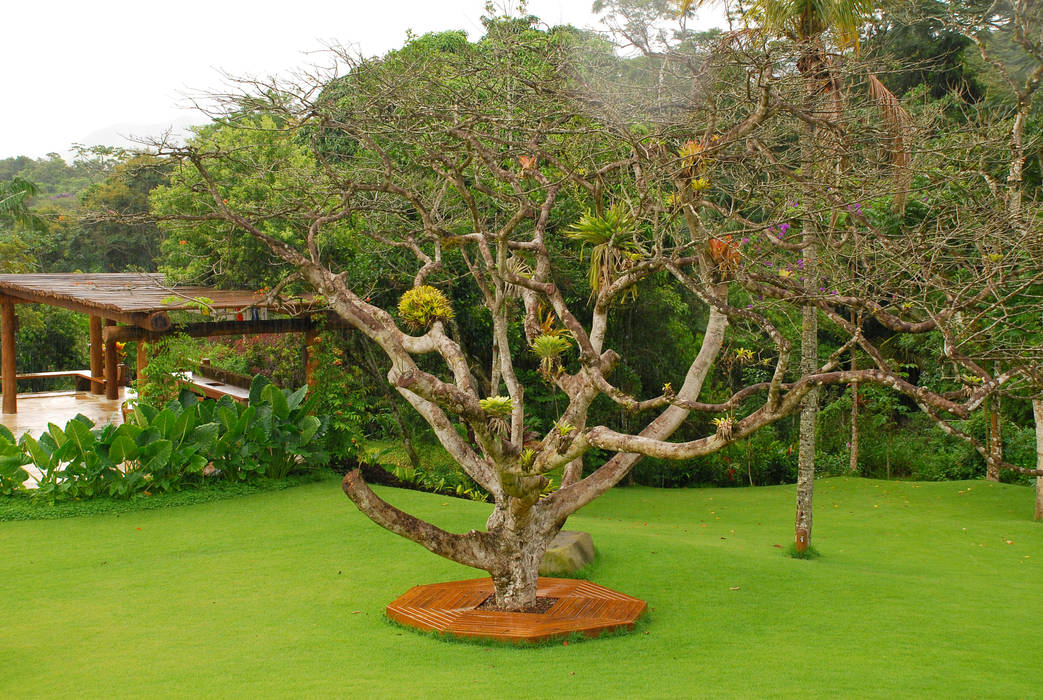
point(504, 157)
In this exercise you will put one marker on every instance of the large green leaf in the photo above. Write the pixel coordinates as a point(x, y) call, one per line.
point(79, 417)
point(57, 435)
point(245, 420)
point(275, 396)
point(122, 450)
point(6, 435)
point(228, 416)
point(187, 399)
point(164, 422)
point(257, 387)
point(204, 436)
point(11, 456)
point(41, 453)
point(297, 397)
point(79, 433)
point(184, 423)
point(144, 414)
point(156, 455)
point(309, 426)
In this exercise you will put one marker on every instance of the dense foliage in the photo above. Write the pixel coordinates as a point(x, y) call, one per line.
point(182, 444)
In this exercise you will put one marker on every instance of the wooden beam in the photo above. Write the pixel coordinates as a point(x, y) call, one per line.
point(7, 355)
point(149, 320)
point(97, 370)
point(205, 330)
point(112, 388)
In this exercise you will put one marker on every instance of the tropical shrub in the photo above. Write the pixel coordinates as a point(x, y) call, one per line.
point(169, 448)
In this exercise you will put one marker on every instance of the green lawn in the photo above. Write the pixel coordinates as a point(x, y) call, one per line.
point(917, 594)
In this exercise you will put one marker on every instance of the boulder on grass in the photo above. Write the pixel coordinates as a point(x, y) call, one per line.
point(569, 552)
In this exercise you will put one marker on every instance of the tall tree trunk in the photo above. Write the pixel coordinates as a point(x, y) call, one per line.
point(808, 418)
point(814, 92)
point(1037, 412)
point(809, 407)
point(854, 415)
point(993, 438)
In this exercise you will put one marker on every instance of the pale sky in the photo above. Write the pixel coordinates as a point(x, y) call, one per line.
point(91, 72)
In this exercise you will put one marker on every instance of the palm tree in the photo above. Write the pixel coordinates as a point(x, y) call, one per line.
point(14, 204)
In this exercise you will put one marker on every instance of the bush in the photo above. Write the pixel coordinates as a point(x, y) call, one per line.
point(167, 449)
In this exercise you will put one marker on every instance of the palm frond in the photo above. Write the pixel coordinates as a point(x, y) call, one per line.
point(898, 122)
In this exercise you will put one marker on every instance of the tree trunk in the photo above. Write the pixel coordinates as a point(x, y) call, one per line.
point(808, 411)
point(515, 582)
point(808, 417)
point(993, 438)
point(854, 415)
point(520, 536)
point(1037, 412)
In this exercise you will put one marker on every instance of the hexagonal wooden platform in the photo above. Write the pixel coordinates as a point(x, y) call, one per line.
point(581, 606)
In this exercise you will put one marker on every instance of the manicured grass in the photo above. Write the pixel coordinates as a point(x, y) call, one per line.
point(916, 594)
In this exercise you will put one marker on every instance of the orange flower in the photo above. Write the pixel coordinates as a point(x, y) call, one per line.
point(182, 242)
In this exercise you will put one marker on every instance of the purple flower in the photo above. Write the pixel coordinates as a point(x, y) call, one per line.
point(784, 227)
point(745, 241)
point(800, 264)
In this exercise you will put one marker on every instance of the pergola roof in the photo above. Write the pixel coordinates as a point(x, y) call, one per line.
point(142, 301)
point(134, 298)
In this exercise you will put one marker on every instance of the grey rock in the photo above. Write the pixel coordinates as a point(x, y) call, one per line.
point(569, 552)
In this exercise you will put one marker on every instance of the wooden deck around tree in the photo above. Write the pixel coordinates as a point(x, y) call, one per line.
point(581, 606)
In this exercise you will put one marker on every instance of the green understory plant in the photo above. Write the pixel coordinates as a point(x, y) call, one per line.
point(166, 449)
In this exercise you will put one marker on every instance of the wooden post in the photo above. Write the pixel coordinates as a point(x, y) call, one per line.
point(7, 355)
point(112, 387)
point(311, 360)
point(142, 362)
point(95, 353)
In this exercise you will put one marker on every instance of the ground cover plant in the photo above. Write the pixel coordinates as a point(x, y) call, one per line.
point(277, 594)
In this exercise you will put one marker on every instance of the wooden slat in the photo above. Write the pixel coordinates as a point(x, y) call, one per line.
point(582, 607)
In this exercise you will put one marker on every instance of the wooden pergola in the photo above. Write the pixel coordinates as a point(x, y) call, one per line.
point(132, 307)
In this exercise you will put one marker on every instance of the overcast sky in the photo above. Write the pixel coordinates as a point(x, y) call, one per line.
point(91, 72)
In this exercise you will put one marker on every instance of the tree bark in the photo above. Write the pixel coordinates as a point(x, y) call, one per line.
point(809, 406)
point(993, 438)
point(1037, 412)
point(808, 419)
point(521, 539)
point(853, 464)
